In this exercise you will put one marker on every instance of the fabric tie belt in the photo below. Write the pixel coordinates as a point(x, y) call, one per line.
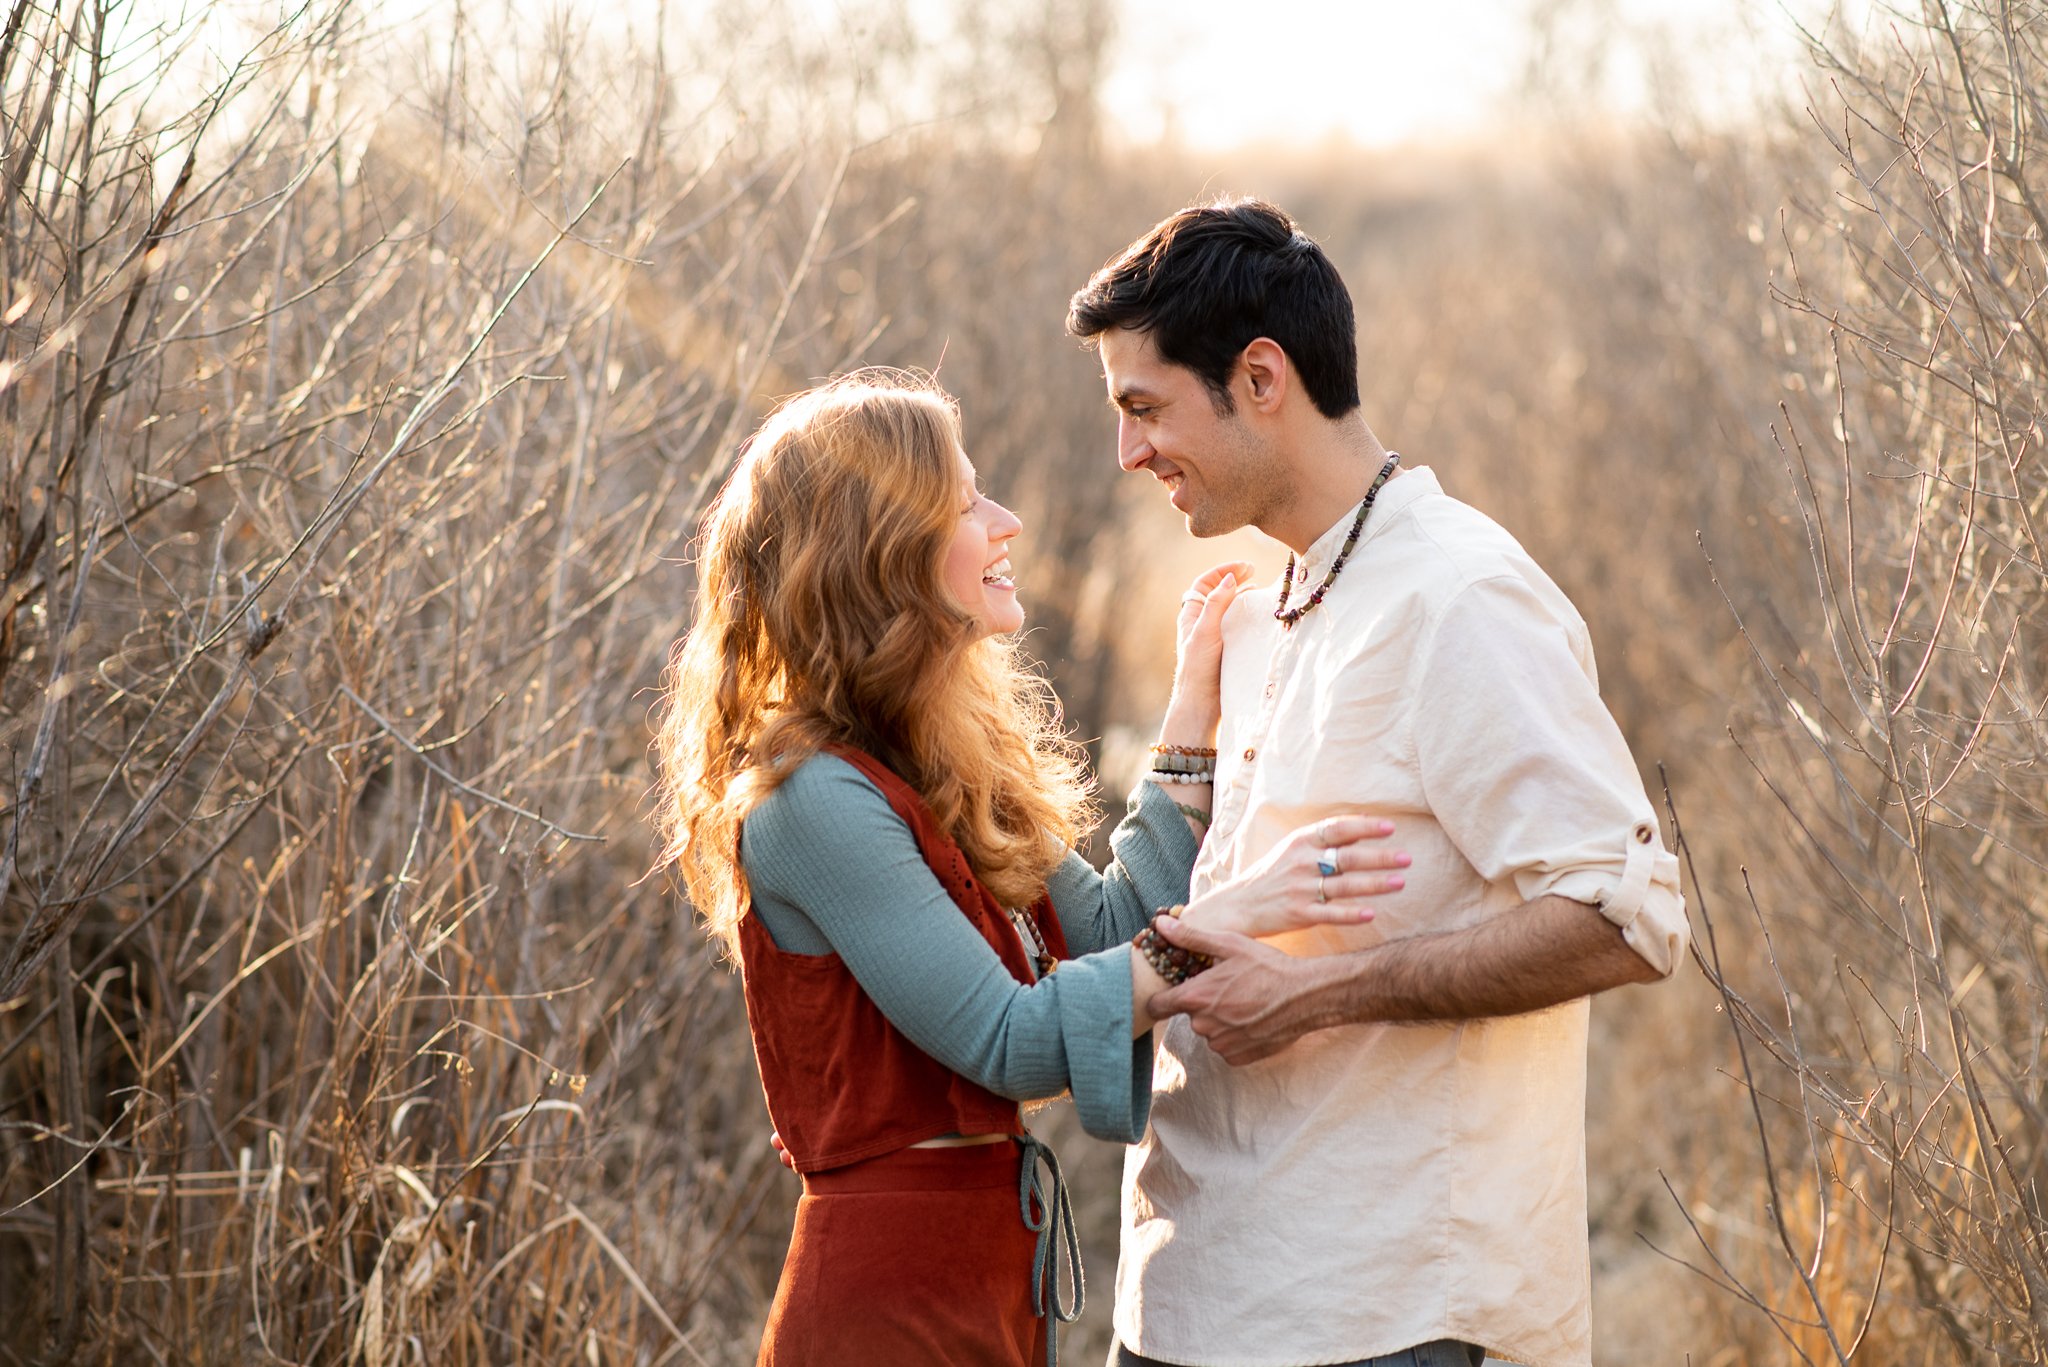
point(1048, 1214)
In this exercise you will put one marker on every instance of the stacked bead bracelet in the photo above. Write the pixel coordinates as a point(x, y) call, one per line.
point(1183, 764)
point(1172, 962)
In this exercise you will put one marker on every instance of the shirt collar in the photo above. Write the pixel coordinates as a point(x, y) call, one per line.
point(1401, 489)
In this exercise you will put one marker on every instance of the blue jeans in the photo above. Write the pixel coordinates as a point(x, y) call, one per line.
point(1441, 1353)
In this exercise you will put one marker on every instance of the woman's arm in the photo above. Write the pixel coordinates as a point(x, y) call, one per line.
point(1153, 849)
point(825, 851)
point(1151, 852)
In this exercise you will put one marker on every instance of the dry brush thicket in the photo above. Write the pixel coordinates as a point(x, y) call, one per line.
point(1819, 343)
point(1895, 1052)
point(356, 401)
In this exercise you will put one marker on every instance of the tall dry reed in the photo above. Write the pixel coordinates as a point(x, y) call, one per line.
point(357, 396)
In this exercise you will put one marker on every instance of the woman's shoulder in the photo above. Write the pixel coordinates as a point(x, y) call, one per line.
point(824, 801)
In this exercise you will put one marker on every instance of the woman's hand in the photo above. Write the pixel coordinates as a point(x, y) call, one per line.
point(1289, 888)
point(1197, 702)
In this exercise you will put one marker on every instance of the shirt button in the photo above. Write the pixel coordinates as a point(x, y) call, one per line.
point(1269, 688)
point(1250, 754)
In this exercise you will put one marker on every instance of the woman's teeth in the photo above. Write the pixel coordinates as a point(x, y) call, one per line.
point(998, 575)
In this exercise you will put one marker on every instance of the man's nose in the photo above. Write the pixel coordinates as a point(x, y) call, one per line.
point(1132, 450)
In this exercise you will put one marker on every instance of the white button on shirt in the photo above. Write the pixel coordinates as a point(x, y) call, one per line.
point(1373, 1187)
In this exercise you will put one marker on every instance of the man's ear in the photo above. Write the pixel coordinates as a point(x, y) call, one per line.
point(1262, 367)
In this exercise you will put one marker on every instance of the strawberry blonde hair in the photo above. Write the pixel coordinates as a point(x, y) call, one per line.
point(822, 618)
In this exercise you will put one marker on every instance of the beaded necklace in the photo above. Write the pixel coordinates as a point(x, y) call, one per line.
point(1287, 616)
point(1041, 957)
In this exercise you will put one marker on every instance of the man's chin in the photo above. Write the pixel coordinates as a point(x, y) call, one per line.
point(1203, 523)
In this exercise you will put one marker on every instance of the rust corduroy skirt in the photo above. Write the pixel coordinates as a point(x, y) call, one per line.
point(919, 1256)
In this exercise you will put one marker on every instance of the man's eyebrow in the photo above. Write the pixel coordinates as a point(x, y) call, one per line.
point(1130, 394)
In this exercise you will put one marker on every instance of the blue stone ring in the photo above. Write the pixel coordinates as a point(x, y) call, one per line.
point(1327, 865)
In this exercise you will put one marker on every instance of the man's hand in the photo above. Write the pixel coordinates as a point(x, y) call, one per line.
point(1250, 1005)
point(1256, 1001)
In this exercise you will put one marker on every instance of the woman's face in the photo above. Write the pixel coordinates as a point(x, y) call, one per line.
point(977, 563)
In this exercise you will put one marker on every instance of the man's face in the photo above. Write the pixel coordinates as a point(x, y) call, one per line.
point(1218, 471)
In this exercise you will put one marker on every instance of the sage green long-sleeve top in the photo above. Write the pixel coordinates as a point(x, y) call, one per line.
point(833, 870)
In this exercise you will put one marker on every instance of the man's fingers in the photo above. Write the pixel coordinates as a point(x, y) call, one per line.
point(1217, 944)
point(1167, 1003)
point(1237, 1053)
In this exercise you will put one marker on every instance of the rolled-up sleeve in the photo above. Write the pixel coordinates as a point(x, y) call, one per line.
point(1526, 771)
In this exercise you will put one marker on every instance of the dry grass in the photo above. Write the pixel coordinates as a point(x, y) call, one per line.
point(356, 399)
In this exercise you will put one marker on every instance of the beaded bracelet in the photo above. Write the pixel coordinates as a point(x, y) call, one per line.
point(1181, 764)
point(1163, 776)
point(1193, 813)
point(1194, 751)
point(1172, 962)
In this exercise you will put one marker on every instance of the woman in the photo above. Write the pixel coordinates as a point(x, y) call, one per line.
point(872, 805)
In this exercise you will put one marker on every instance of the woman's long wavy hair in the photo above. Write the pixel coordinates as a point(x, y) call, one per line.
point(822, 618)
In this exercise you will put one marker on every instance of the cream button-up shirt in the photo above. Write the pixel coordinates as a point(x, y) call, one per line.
point(1373, 1187)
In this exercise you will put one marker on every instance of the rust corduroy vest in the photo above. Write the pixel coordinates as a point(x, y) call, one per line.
point(842, 1083)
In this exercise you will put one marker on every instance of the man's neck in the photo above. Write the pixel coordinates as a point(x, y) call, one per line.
point(1333, 464)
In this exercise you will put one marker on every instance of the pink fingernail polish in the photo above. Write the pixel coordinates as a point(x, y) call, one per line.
point(1397, 882)
point(1404, 859)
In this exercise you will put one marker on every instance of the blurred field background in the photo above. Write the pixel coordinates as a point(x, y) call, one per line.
point(363, 372)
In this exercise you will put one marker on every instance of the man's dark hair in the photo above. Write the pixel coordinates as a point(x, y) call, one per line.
point(1207, 282)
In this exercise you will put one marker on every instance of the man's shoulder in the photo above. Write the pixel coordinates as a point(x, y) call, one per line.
point(1448, 546)
point(1456, 540)
point(1449, 552)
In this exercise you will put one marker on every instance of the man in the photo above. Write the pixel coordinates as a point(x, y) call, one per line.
point(1368, 1144)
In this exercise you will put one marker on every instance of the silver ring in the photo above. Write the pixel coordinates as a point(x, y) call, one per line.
point(1322, 889)
point(1327, 864)
point(1193, 598)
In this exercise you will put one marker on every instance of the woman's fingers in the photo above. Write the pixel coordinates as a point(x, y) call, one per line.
point(1345, 830)
point(1209, 597)
point(1335, 912)
point(1218, 602)
point(1360, 856)
point(1208, 579)
point(1350, 864)
point(1342, 900)
point(1349, 886)
point(1208, 601)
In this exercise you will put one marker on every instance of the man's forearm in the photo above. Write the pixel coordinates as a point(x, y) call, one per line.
point(1544, 952)
point(1256, 1001)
